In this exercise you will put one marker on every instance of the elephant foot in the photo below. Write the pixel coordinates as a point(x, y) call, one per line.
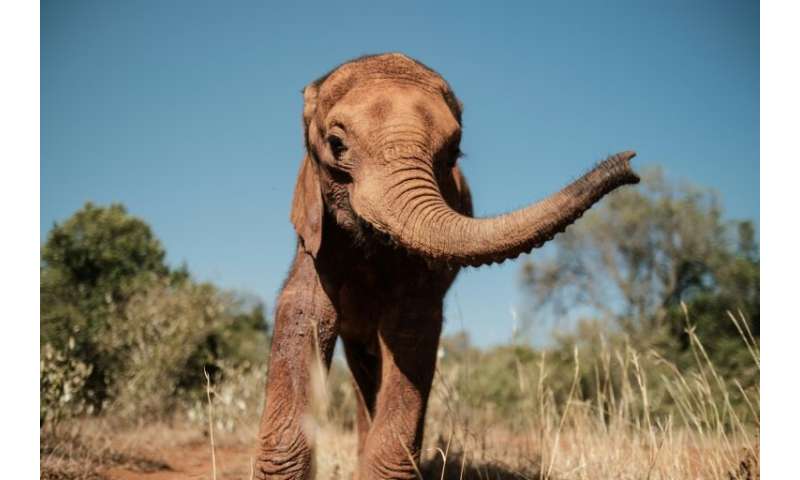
point(394, 465)
point(292, 461)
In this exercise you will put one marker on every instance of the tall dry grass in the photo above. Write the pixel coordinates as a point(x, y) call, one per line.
point(696, 431)
point(645, 418)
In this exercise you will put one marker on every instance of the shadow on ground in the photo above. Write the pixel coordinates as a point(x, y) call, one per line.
point(473, 469)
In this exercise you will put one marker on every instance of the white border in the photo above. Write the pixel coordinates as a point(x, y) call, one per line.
point(19, 207)
point(780, 242)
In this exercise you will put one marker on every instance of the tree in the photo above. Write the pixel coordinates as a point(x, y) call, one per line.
point(111, 305)
point(642, 252)
point(91, 264)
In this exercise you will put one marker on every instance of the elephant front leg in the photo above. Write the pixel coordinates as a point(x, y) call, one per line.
point(393, 444)
point(305, 333)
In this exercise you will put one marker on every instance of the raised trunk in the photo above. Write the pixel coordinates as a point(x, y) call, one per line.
point(417, 217)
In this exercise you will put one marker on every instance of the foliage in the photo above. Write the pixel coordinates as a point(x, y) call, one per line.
point(91, 263)
point(237, 395)
point(168, 334)
point(62, 378)
point(643, 252)
point(119, 327)
point(602, 369)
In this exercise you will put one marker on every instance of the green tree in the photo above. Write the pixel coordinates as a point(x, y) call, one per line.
point(642, 252)
point(91, 264)
point(111, 305)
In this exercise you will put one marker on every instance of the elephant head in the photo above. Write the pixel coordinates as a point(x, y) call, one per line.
point(382, 137)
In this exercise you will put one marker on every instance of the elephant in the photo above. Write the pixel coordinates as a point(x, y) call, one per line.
point(384, 222)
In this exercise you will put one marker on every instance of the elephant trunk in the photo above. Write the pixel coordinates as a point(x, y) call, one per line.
point(413, 212)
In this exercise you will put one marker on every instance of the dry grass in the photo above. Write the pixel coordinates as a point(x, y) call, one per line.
point(82, 449)
point(616, 435)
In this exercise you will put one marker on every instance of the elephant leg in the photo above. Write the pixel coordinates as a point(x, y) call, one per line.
point(365, 369)
point(408, 361)
point(304, 337)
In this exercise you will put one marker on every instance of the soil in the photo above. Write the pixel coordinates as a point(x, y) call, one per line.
point(192, 461)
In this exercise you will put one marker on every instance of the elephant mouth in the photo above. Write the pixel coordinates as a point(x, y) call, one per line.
point(372, 243)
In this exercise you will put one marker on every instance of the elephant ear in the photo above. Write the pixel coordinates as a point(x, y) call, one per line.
point(307, 209)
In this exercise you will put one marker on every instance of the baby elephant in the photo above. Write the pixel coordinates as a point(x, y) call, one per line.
point(384, 221)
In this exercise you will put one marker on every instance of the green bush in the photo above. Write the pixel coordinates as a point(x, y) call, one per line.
point(121, 329)
point(600, 368)
point(62, 379)
point(168, 334)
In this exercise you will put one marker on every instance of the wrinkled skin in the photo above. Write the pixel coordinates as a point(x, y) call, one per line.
point(384, 222)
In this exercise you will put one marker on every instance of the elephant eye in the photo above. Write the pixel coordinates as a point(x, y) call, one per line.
point(337, 145)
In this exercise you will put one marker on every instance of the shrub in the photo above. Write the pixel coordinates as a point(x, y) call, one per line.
point(120, 328)
point(62, 378)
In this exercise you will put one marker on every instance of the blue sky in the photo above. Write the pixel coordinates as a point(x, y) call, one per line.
point(189, 113)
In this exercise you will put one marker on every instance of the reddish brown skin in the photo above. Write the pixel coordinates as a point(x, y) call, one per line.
point(348, 280)
point(390, 337)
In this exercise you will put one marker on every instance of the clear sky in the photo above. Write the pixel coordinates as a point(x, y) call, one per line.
point(189, 112)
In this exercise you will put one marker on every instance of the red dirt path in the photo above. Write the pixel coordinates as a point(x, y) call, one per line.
point(191, 462)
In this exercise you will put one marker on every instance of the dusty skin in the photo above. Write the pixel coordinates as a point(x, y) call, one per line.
point(384, 222)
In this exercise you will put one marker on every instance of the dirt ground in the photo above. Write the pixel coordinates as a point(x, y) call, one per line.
point(162, 452)
point(191, 461)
